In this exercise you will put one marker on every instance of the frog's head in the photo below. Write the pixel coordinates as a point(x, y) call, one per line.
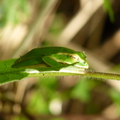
point(80, 60)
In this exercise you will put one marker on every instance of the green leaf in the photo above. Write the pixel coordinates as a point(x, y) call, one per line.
point(32, 64)
point(8, 74)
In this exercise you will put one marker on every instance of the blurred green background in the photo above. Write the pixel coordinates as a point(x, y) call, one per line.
point(84, 25)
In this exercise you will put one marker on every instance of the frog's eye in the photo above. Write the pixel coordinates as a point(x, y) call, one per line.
point(75, 57)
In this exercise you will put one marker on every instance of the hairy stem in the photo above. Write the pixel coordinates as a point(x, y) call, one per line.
point(88, 73)
point(102, 75)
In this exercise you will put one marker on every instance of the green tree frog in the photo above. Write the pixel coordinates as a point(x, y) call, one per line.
point(52, 57)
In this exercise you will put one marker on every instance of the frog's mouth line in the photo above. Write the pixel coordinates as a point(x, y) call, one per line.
point(85, 67)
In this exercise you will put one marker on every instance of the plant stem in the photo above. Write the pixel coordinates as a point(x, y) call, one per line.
point(102, 75)
point(88, 73)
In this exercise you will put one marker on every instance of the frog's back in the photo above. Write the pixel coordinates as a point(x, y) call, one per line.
point(34, 56)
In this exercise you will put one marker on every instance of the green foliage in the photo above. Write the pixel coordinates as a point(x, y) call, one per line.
point(82, 90)
point(109, 9)
point(48, 87)
point(115, 95)
point(11, 11)
point(46, 90)
point(44, 61)
point(8, 74)
point(38, 104)
point(19, 117)
point(33, 64)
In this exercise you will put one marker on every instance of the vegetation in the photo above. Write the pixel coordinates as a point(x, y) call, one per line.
point(26, 25)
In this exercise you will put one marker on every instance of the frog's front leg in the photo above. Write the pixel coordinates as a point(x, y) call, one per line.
point(51, 61)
